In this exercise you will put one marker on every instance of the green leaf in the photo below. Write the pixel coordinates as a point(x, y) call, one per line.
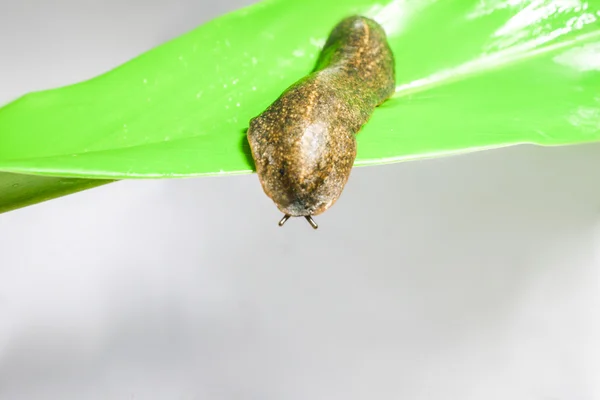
point(19, 190)
point(471, 75)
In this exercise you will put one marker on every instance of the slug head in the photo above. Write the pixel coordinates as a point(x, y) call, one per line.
point(304, 149)
point(303, 166)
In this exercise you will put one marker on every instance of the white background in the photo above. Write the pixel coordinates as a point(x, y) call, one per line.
point(472, 277)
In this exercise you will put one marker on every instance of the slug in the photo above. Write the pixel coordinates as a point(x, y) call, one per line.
point(303, 144)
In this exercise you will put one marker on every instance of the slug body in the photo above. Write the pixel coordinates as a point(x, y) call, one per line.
point(304, 143)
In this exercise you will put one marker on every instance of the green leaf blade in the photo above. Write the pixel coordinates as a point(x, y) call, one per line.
point(471, 75)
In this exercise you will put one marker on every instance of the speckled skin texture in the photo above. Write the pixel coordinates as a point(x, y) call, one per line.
point(304, 144)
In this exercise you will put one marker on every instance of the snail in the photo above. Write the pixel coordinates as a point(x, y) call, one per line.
point(304, 144)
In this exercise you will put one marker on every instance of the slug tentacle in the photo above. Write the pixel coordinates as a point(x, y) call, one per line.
point(304, 143)
point(284, 219)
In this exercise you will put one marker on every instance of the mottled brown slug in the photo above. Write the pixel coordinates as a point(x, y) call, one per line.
point(304, 143)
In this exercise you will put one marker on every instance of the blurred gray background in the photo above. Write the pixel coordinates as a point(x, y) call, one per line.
point(471, 277)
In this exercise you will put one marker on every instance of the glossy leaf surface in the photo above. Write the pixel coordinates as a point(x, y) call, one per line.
point(471, 75)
